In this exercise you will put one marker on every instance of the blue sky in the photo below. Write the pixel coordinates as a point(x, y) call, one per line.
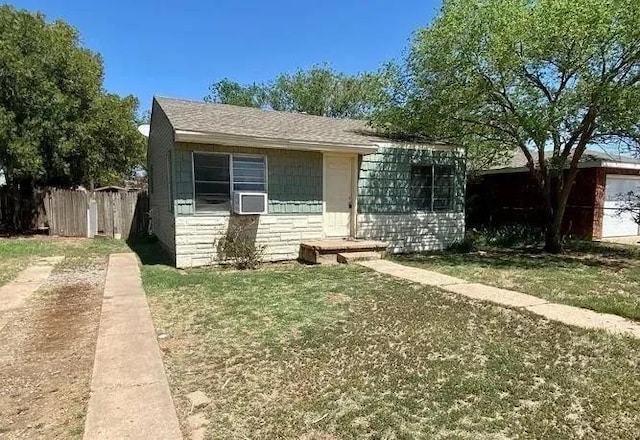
point(178, 48)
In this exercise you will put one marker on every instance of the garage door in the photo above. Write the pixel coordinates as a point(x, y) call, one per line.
point(614, 223)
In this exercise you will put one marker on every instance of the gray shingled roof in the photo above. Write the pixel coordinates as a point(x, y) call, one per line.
point(233, 120)
point(519, 160)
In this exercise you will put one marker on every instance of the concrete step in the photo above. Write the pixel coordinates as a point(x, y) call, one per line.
point(326, 251)
point(352, 257)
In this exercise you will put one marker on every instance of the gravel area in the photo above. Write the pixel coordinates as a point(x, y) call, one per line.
point(47, 354)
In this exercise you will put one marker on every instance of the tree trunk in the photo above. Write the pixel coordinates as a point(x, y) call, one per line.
point(556, 205)
point(553, 242)
point(559, 190)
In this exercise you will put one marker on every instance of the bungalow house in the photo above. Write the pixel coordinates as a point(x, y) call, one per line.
point(295, 180)
point(509, 195)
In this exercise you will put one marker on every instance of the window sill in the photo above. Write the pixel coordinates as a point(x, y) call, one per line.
point(211, 214)
point(436, 212)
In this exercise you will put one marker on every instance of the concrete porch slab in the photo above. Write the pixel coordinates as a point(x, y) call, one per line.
point(315, 251)
point(353, 257)
point(338, 244)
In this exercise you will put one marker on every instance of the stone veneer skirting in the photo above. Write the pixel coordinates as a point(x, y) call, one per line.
point(416, 232)
point(196, 236)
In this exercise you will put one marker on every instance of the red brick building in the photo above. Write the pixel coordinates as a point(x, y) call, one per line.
point(510, 196)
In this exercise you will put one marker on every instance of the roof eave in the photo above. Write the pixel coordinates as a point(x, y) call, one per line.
point(198, 137)
point(590, 164)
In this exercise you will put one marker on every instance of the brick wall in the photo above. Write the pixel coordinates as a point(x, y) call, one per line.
point(415, 232)
point(196, 236)
point(515, 198)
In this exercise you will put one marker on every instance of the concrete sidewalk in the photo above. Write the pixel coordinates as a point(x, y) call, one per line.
point(130, 396)
point(14, 294)
point(569, 315)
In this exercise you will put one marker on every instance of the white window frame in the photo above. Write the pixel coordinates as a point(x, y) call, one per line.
point(231, 182)
point(257, 156)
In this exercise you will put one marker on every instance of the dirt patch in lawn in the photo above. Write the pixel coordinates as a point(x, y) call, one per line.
point(47, 355)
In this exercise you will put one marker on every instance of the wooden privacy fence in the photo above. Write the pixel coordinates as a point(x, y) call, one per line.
point(20, 213)
point(118, 214)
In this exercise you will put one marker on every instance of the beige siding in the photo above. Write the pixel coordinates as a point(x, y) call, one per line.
point(196, 236)
point(160, 143)
point(417, 232)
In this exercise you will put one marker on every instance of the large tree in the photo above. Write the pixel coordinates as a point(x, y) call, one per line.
point(547, 77)
point(57, 124)
point(318, 91)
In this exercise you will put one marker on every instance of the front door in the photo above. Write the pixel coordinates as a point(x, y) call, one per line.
point(338, 175)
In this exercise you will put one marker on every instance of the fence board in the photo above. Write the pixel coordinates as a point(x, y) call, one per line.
point(64, 211)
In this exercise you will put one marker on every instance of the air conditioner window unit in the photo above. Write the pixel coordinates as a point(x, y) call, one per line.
point(245, 202)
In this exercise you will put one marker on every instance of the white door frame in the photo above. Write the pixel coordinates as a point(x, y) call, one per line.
point(353, 214)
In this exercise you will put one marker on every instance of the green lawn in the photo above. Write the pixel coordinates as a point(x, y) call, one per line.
point(342, 352)
point(16, 253)
point(601, 277)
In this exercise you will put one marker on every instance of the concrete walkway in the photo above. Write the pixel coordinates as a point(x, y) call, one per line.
point(130, 396)
point(14, 294)
point(570, 315)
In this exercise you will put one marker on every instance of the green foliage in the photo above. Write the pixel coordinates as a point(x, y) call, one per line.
point(507, 236)
point(317, 91)
point(510, 236)
point(230, 92)
point(547, 77)
point(468, 244)
point(57, 125)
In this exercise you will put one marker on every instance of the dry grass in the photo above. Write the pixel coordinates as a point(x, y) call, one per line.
point(17, 253)
point(341, 352)
point(605, 278)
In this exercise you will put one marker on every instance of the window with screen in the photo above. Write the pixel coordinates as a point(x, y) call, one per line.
point(249, 173)
point(212, 181)
point(432, 187)
point(443, 188)
point(216, 175)
point(421, 187)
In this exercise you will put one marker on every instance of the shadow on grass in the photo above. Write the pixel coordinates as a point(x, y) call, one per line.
point(605, 250)
point(576, 254)
point(149, 250)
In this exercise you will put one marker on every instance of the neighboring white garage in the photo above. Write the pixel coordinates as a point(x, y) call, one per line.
point(614, 222)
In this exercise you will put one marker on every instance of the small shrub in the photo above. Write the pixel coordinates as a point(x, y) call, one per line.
point(515, 235)
point(464, 246)
point(238, 247)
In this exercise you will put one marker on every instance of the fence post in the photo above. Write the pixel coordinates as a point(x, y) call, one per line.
point(117, 230)
point(92, 218)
